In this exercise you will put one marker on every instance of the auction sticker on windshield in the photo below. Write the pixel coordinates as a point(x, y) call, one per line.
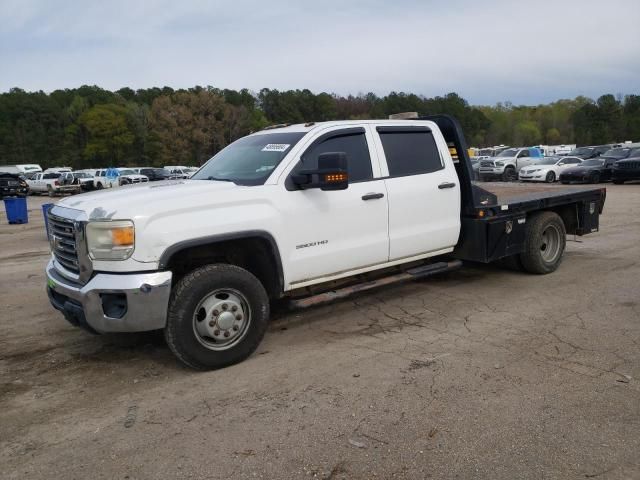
point(276, 147)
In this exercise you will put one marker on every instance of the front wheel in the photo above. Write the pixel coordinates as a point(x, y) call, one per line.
point(218, 314)
point(544, 244)
point(551, 177)
point(595, 178)
point(509, 174)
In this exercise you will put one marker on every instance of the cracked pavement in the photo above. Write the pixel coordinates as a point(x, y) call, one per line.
point(479, 373)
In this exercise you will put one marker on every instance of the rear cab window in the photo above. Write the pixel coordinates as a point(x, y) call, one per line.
point(410, 150)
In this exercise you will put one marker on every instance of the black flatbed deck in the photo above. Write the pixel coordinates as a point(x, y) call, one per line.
point(490, 194)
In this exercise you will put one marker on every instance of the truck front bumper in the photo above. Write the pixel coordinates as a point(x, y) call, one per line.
point(130, 302)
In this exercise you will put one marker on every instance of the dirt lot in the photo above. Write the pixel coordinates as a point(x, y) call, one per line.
point(481, 373)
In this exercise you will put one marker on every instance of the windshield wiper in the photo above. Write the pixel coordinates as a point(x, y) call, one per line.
point(219, 179)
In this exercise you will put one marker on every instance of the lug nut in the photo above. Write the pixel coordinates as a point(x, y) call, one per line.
point(216, 313)
point(235, 328)
point(226, 334)
point(225, 306)
point(234, 308)
point(217, 332)
point(238, 317)
point(212, 323)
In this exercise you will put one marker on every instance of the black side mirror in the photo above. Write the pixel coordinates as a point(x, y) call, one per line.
point(330, 175)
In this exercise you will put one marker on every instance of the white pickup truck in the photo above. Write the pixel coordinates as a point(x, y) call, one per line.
point(309, 213)
point(506, 165)
point(51, 183)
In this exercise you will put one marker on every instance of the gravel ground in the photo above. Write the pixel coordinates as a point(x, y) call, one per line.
point(480, 373)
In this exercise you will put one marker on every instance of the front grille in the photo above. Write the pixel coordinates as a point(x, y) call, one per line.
point(628, 165)
point(486, 163)
point(63, 242)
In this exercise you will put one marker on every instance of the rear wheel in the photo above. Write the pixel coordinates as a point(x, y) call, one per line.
point(544, 244)
point(99, 186)
point(595, 177)
point(551, 177)
point(218, 315)
point(618, 182)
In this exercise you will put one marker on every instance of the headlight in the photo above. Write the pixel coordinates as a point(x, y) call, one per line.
point(534, 170)
point(499, 164)
point(110, 240)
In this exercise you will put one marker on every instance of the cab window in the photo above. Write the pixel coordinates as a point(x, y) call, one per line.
point(353, 144)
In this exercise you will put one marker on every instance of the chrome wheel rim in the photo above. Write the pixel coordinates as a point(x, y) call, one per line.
point(222, 319)
point(550, 245)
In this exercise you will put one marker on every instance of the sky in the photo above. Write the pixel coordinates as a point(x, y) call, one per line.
point(525, 52)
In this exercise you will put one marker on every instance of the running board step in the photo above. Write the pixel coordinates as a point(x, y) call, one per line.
point(411, 274)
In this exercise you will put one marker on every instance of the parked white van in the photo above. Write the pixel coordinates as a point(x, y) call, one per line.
point(21, 169)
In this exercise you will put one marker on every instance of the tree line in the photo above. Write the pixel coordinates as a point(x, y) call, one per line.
point(93, 127)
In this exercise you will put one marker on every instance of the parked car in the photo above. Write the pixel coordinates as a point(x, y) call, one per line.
point(181, 171)
point(506, 164)
point(626, 169)
point(22, 169)
point(84, 179)
point(13, 184)
point(128, 176)
point(51, 183)
point(586, 153)
point(106, 178)
point(155, 174)
point(594, 170)
point(621, 153)
point(366, 203)
point(548, 169)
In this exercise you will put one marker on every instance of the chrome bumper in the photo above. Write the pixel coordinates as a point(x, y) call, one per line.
point(147, 300)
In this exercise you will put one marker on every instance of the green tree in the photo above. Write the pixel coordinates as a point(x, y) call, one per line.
point(109, 134)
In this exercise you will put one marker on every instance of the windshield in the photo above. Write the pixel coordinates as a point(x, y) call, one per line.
point(581, 151)
point(509, 152)
point(592, 163)
point(250, 160)
point(617, 152)
point(127, 172)
point(81, 175)
point(548, 161)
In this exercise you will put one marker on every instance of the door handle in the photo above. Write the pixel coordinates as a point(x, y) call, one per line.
point(372, 196)
point(446, 185)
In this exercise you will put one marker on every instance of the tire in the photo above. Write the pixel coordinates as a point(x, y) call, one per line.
point(197, 298)
point(509, 174)
point(544, 244)
point(99, 186)
point(618, 182)
point(595, 178)
point(550, 178)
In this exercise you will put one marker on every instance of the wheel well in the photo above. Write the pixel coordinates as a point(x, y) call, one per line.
point(255, 254)
point(569, 215)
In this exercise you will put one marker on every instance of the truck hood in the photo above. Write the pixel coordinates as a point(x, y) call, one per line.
point(149, 199)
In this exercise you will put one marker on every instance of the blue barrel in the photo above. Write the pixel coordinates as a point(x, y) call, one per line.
point(45, 213)
point(16, 208)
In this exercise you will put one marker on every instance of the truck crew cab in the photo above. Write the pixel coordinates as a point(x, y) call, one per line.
point(304, 212)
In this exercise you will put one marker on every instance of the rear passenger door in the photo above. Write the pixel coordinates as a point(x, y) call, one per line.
point(423, 190)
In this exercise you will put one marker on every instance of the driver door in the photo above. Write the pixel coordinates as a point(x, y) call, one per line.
point(332, 233)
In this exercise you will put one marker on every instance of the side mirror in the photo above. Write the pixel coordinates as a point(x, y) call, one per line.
point(330, 175)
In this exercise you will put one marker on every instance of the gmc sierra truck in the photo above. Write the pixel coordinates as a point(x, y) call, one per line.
point(302, 213)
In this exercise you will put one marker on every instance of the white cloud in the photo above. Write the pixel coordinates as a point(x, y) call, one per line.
point(487, 51)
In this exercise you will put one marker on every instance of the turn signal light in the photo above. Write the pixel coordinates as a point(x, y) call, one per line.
point(122, 236)
point(335, 177)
